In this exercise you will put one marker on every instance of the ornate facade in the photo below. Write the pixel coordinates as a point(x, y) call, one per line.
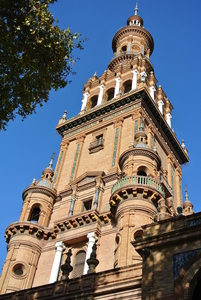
point(118, 185)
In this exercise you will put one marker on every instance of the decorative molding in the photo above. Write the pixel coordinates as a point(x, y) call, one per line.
point(115, 147)
point(137, 151)
point(75, 162)
point(40, 232)
point(41, 190)
point(58, 167)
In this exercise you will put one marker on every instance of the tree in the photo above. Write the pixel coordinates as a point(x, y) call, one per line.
point(35, 56)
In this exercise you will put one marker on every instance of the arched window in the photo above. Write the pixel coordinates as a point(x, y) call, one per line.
point(94, 101)
point(79, 262)
point(110, 94)
point(127, 86)
point(124, 49)
point(35, 214)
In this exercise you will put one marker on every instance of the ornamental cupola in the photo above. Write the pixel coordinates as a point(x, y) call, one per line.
point(187, 206)
point(47, 175)
point(140, 138)
point(39, 198)
point(131, 41)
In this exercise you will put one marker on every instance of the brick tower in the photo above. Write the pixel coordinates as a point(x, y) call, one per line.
point(119, 168)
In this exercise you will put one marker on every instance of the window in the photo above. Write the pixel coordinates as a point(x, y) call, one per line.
point(127, 86)
point(79, 262)
point(94, 101)
point(99, 139)
point(35, 214)
point(124, 48)
point(110, 94)
point(141, 173)
point(87, 205)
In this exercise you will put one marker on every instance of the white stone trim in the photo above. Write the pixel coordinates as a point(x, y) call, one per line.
point(60, 247)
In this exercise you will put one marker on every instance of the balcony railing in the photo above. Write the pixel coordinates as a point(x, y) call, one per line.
point(97, 142)
point(139, 180)
point(166, 184)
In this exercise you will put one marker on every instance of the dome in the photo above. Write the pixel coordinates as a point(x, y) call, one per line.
point(44, 182)
point(141, 145)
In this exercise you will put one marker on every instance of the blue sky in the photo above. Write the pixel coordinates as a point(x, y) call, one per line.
point(26, 147)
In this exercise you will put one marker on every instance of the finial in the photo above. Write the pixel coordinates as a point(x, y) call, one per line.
point(51, 161)
point(183, 144)
point(66, 267)
point(141, 128)
point(92, 261)
point(136, 9)
point(64, 115)
point(95, 74)
point(186, 193)
point(34, 180)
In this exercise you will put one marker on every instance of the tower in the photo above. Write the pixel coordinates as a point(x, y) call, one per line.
point(119, 168)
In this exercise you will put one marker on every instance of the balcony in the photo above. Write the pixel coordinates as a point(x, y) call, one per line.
point(143, 181)
point(97, 145)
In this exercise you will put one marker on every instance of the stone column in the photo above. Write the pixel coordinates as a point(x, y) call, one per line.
point(168, 118)
point(60, 247)
point(92, 238)
point(134, 82)
point(84, 100)
point(160, 106)
point(117, 87)
point(152, 91)
point(100, 96)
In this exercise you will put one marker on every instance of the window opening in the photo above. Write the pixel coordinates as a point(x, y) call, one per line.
point(94, 101)
point(141, 173)
point(87, 205)
point(79, 264)
point(99, 139)
point(124, 48)
point(127, 88)
point(35, 214)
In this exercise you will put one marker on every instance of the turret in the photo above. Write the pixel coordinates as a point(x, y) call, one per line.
point(24, 237)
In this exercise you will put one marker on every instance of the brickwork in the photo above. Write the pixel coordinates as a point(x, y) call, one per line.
point(117, 182)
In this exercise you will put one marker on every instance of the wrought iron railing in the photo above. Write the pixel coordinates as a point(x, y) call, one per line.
point(139, 180)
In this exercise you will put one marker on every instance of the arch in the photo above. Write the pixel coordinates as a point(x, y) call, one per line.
point(79, 262)
point(94, 101)
point(110, 94)
point(142, 171)
point(35, 213)
point(188, 278)
point(127, 86)
point(124, 48)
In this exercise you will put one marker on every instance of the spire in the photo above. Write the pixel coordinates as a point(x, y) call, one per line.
point(141, 128)
point(186, 193)
point(136, 9)
point(51, 161)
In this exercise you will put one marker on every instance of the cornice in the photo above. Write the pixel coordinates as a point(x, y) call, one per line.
point(44, 233)
point(39, 189)
point(139, 151)
point(108, 109)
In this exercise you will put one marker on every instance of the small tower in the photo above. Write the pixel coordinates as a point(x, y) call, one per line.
point(187, 206)
point(24, 237)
